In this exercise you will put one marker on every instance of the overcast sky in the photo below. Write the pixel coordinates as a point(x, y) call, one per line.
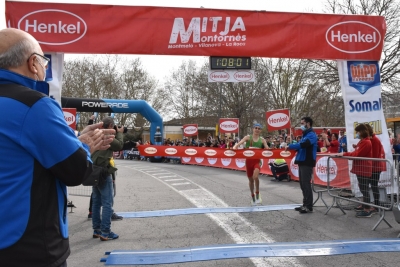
point(155, 65)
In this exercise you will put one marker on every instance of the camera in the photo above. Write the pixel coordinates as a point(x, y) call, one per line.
point(119, 126)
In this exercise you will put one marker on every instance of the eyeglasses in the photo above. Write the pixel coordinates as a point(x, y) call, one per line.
point(257, 128)
point(45, 60)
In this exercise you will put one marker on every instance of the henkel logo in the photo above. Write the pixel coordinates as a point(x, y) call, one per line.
point(226, 161)
point(322, 170)
point(69, 117)
point(53, 26)
point(210, 152)
point(219, 76)
point(212, 161)
point(171, 151)
point(248, 153)
point(285, 154)
point(294, 168)
point(190, 152)
point(267, 153)
point(353, 37)
point(199, 160)
point(186, 159)
point(278, 120)
point(229, 126)
point(240, 163)
point(243, 76)
point(190, 130)
point(150, 150)
point(229, 153)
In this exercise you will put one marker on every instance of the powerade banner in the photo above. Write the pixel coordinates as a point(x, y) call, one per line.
point(117, 106)
point(361, 89)
point(80, 28)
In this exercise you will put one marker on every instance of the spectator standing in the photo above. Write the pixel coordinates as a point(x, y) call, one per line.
point(362, 168)
point(342, 141)
point(377, 166)
point(33, 180)
point(102, 194)
point(306, 158)
point(253, 166)
point(333, 145)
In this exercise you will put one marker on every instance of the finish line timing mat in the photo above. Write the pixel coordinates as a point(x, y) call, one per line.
point(232, 251)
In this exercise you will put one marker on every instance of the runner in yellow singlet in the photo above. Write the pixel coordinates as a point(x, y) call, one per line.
point(253, 166)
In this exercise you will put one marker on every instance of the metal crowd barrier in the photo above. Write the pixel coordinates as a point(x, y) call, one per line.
point(80, 190)
point(381, 204)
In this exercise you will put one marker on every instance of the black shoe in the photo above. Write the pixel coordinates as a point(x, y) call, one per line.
point(115, 217)
point(298, 208)
point(306, 210)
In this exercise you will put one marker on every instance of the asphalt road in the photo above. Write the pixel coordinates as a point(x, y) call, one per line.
point(144, 186)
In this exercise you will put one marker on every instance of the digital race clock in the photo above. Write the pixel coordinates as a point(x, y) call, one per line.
point(230, 63)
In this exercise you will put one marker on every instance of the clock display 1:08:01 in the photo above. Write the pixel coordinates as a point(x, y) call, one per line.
point(230, 62)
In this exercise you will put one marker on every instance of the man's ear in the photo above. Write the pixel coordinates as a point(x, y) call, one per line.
point(32, 65)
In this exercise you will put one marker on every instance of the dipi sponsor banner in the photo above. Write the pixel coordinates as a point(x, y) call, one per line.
point(278, 119)
point(70, 117)
point(190, 129)
point(361, 90)
point(231, 76)
point(80, 28)
point(211, 152)
point(228, 125)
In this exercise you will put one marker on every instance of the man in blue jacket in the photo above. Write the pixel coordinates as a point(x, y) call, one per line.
point(306, 158)
point(40, 156)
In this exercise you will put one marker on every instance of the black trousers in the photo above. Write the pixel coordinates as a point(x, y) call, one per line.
point(305, 175)
point(374, 185)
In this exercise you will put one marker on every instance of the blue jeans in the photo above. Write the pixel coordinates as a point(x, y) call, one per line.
point(103, 197)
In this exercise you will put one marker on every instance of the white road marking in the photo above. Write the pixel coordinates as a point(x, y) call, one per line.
point(169, 176)
point(237, 227)
point(169, 180)
point(180, 183)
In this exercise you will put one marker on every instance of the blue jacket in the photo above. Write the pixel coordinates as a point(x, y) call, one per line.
point(306, 149)
point(39, 156)
point(343, 140)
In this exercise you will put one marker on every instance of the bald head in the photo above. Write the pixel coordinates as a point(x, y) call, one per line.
point(16, 47)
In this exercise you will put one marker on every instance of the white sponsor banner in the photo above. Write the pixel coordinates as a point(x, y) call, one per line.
point(215, 76)
point(54, 75)
point(361, 89)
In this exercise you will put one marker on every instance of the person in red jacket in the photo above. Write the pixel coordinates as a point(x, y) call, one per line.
point(377, 166)
point(333, 144)
point(362, 168)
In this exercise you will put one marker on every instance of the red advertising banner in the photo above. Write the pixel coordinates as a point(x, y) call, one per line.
point(278, 119)
point(80, 28)
point(190, 129)
point(338, 168)
point(229, 125)
point(70, 117)
point(192, 151)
